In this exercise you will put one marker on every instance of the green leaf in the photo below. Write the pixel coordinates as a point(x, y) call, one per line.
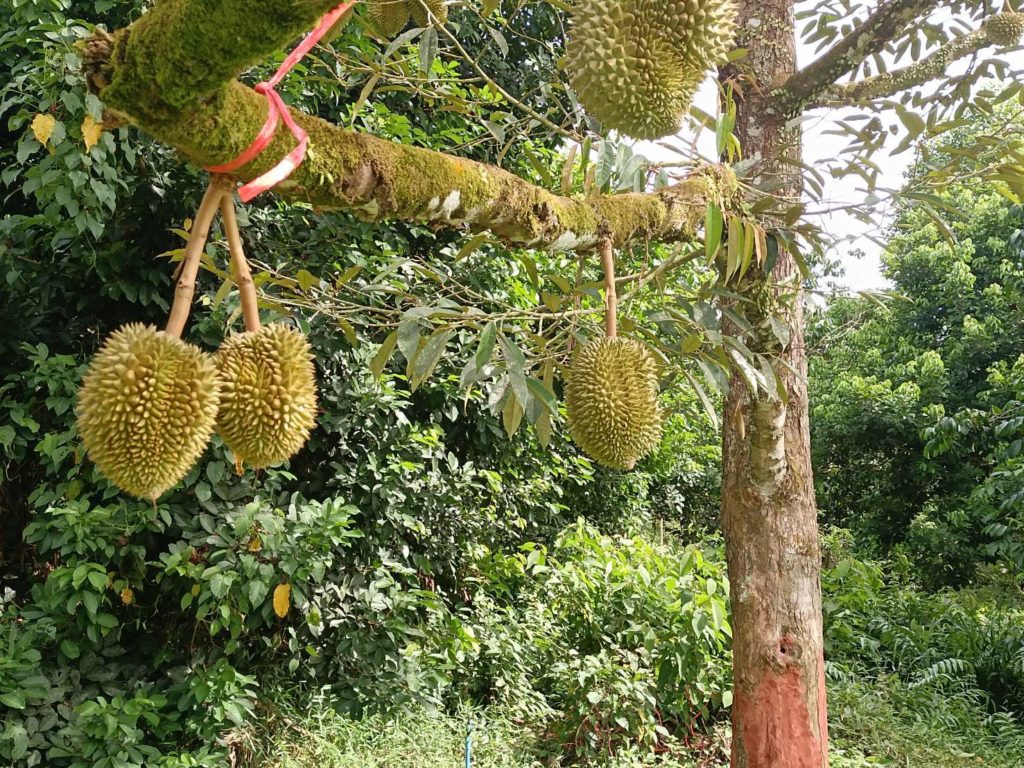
point(383, 354)
point(712, 230)
point(429, 356)
point(486, 347)
point(70, 648)
point(12, 700)
point(512, 414)
point(428, 49)
point(540, 390)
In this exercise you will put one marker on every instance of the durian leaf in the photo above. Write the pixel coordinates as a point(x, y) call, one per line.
point(383, 354)
point(348, 331)
point(428, 356)
point(749, 237)
point(347, 275)
point(486, 347)
point(567, 166)
point(734, 250)
point(428, 50)
point(511, 415)
point(543, 427)
point(709, 407)
point(540, 391)
point(516, 361)
point(712, 230)
point(471, 245)
point(551, 301)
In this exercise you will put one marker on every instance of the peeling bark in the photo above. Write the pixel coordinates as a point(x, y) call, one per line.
point(768, 511)
point(146, 76)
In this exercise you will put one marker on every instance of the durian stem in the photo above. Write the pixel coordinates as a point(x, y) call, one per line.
point(611, 301)
point(186, 287)
point(243, 277)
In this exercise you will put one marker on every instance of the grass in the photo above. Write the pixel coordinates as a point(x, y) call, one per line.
point(888, 723)
point(885, 724)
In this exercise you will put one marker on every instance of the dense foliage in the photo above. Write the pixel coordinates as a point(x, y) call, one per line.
point(140, 634)
point(914, 400)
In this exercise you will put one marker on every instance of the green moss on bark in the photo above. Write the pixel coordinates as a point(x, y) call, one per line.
point(172, 75)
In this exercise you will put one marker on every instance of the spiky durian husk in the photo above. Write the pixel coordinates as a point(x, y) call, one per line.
point(419, 13)
point(1005, 28)
point(147, 408)
point(612, 400)
point(635, 64)
point(388, 17)
point(268, 394)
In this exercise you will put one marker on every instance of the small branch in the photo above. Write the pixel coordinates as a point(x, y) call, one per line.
point(611, 306)
point(561, 131)
point(186, 287)
point(243, 276)
point(887, 22)
point(890, 83)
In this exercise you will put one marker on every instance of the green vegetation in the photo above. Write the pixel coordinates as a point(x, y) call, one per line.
point(445, 553)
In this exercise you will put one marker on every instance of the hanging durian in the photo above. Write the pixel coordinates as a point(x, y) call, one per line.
point(268, 394)
point(148, 402)
point(636, 64)
point(268, 387)
point(438, 9)
point(611, 393)
point(388, 17)
point(147, 409)
point(1005, 29)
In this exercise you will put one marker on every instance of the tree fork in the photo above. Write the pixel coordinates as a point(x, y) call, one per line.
point(768, 510)
point(171, 74)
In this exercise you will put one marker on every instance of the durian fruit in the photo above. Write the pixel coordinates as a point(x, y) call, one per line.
point(147, 408)
point(388, 17)
point(611, 395)
point(419, 12)
point(1005, 29)
point(636, 64)
point(268, 394)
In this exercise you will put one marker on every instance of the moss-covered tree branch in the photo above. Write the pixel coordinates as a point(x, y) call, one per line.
point(172, 73)
point(932, 66)
point(888, 21)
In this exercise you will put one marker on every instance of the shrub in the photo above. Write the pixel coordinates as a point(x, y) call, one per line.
point(604, 640)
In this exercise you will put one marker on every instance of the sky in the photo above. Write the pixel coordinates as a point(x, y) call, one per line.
point(862, 273)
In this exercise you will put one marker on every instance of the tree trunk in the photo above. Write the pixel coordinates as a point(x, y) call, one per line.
point(768, 509)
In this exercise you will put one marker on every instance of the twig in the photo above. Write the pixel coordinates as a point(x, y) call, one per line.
point(610, 298)
point(243, 276)
point(186, 287)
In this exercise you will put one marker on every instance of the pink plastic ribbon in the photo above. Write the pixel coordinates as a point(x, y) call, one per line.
point(276, 112)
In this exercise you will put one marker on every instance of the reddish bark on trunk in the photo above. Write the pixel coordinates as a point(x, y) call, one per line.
point(768, 509)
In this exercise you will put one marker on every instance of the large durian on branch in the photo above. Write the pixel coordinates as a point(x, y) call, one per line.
point(636, 64)
point(1005, 29)
point(147, 409)
point(268, 394)
point(611, 397)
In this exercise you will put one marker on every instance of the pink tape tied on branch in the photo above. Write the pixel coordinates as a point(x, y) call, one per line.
point(276, 112)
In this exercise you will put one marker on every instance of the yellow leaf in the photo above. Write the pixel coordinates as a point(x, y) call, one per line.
point(282, 596)
point(91, 132)
point(255, 545)
point(127, 596)
point(42, 127)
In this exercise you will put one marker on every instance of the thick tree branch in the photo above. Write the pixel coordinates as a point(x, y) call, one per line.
point(887, 22)
point(890, 83)
point(172, 75)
